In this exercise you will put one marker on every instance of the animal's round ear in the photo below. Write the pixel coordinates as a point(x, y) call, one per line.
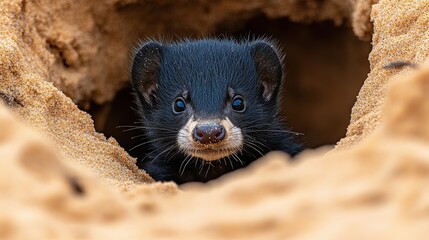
point(145, 70)
point(268, 67)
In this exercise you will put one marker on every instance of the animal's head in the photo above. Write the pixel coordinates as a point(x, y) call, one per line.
point(205, 96)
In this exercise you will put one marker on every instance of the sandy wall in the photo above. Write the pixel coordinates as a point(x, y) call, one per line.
point(25, 76)
point(59, 179)
point(85, 54)
point(376, 190)
point(55, 54)
point(400, 34)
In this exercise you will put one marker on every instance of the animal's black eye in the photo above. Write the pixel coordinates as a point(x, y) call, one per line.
point(179, 105)
point(238, 104)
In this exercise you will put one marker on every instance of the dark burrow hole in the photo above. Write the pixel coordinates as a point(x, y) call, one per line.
point(325, 67)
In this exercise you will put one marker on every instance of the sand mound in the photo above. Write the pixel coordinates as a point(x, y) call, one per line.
point(371, 187)
point(400, 34)
point(25, 84)
point(45, 108)
point(43, 198)
point(46, 52)
point(376, 190)
point(86, 56)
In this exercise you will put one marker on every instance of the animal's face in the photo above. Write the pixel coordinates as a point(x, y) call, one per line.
point(206, 97)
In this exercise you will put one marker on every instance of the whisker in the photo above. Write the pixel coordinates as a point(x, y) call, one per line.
point(131, 128)
point(251, 145)
point(183, 162)
point(126, 126)
point(237, 158)
point(144, 124)
point(253, 126)
point(186, 164)
point(230, 162)
point(171, 155)
point(150, 153)
point(140, 135)
point(175, 154)
point(169, 148)
point(150, 141)
point(196, 162)
point(208, 168)
point(257, 144)
point(202, 166)
point(278, 131)
point(253, 140)
point(244, 149)
point(159, 128)
point(224, 161)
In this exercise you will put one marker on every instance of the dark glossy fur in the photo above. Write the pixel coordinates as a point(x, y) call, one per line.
point(206, 69)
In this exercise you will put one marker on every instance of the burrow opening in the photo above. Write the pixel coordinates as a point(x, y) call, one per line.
point(325, 67)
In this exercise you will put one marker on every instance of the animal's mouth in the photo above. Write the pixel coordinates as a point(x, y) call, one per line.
point(209, 149)
point(209, 154)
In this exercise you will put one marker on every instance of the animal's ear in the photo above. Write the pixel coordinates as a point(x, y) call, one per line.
point(145, 70)
point(268, 67)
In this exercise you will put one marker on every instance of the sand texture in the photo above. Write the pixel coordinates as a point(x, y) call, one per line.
point(26, 88)
point(60, 179)
point(400, 34)
point(44, 198)
point(49, 56)
point(377, 190)
point(86, 57)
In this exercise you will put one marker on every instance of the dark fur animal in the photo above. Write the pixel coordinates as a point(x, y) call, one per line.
point(208, 107)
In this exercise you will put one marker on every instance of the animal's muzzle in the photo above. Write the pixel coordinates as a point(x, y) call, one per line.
point(209, 133)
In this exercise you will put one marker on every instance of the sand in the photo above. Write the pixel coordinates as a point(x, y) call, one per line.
point(42, 106)
point(399, 35)
point(51, 60)
point(60, 179)
point(377, 190)
point(42, 197)
point(85, 55)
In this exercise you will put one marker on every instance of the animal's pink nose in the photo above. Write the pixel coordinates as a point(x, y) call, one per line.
point(209, 133)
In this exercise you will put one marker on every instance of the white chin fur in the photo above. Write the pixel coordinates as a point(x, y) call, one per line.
point(232, 143)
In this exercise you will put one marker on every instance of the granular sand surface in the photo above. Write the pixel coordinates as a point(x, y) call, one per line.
point(377, 190)
point(42, 106)
point(82, 47)
point(59, 179)
point(47, 53)
point(400, 34)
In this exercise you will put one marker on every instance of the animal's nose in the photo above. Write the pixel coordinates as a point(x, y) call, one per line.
point(209, 133)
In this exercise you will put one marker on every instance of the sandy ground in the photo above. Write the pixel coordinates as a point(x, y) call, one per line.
point(60, 179)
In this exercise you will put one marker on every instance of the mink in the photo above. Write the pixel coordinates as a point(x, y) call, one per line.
point(207, 107)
